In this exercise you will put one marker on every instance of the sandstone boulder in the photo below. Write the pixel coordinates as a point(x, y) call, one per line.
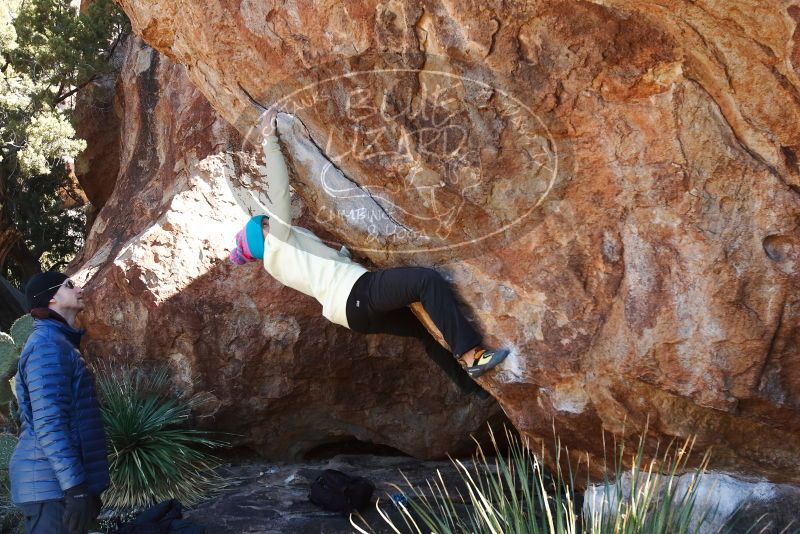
point(612, 185)
point(280, 378)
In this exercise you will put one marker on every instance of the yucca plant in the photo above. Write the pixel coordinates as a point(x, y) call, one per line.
point(512, 493)
point(153, 454)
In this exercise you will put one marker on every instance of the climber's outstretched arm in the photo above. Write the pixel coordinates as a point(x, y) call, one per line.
point(277, 175)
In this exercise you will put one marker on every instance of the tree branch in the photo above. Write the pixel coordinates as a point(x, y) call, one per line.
point(113, 47)
point(61, 98)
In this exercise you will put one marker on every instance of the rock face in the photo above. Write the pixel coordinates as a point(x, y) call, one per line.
point(722, 503)
point(96, 119)
point(613, 186)
point(280, 377)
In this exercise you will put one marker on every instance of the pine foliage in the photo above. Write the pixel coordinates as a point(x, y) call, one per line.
point(48, 52)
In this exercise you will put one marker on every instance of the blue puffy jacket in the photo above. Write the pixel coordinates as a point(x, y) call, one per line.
point(62, 441)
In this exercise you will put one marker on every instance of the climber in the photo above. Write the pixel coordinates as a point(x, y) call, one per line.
point(366, 302)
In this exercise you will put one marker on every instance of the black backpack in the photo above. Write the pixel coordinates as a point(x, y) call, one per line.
point(338, 492)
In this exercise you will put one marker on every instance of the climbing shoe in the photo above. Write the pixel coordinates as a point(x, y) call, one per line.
point(485, 360)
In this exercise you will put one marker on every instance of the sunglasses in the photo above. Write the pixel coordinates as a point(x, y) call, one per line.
point(69, 283)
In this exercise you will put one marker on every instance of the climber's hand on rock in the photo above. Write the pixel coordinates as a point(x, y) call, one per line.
point(268, 123)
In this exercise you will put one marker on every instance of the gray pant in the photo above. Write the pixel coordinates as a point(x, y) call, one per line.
point(45, 518)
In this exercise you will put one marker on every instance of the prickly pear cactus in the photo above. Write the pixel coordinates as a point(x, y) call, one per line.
point(21, 330)
point(8, 354)
point(10, 348)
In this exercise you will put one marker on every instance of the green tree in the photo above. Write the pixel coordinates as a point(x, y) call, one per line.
point(48, 52)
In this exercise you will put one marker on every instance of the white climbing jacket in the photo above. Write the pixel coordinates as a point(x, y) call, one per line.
point(295, 256)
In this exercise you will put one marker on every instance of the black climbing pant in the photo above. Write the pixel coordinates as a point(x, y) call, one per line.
point(378, 304)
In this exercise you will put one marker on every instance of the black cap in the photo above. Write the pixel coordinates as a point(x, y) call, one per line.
point(41, 288)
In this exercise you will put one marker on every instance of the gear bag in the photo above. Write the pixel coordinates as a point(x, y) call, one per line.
point(339, 492)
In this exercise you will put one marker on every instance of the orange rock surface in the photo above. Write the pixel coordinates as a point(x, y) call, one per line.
point(280, 378)
point(613, 186)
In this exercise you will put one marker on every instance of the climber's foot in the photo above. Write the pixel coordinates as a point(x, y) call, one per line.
point(483, 360)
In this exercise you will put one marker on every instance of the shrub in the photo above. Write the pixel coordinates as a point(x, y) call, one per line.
point(153, 454)
point(10, 516)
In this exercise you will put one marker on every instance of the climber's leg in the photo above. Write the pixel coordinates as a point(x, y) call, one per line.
point(388, 290)
point(403, 322)
point(392, 289)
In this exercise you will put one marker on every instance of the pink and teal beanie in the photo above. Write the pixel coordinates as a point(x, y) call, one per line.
point(249, 242)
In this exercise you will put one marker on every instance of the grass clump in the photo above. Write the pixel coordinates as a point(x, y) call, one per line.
point(651, 496)
point(512, 493)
